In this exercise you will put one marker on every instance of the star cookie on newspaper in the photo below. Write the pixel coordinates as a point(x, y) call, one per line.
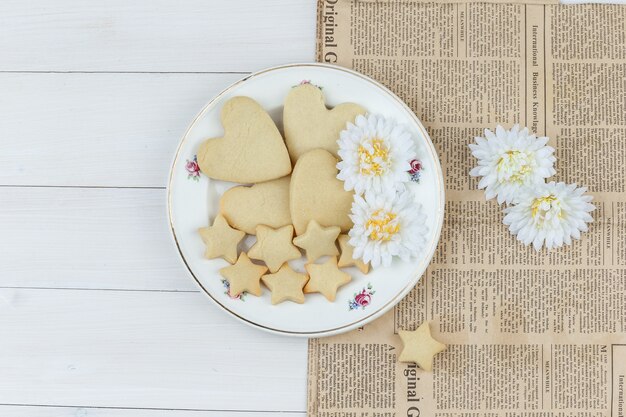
point(326, 278)
point(286, 284)
point(420, 347)
point(347, 259)
point(318, 241)
point(221, 240)
point(274, 246)
point(244, 276)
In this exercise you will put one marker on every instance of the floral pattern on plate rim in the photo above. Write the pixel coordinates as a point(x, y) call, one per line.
point(416, 170)
point(307, 82)
point(361, 299)
point(193, 170)
point(241, 296)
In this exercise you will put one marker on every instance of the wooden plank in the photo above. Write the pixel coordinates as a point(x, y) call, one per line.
point(31, 411)
point(154, 35)
point(97, 129)
point(137, 349)
point(88, 238)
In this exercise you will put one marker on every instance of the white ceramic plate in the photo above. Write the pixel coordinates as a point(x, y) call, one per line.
point(193, 201)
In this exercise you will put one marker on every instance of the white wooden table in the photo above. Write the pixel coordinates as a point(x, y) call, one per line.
point(98, 317)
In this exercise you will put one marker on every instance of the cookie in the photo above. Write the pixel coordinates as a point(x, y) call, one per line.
point(251, 150)
point(346, 258)
point(326, 278)
point(308, 124)
point(265, 203)
point(420, 347)
point(221, 240)
point(316, 194)
point(318, 241)
point(286, 284)
point(244, 276)
point(274, 246)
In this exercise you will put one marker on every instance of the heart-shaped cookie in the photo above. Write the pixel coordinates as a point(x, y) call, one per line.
point(251, 150)
point(265, 203)
point(316, 194)
point(310, 125)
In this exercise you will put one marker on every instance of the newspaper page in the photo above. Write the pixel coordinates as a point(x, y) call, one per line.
point(528, 334)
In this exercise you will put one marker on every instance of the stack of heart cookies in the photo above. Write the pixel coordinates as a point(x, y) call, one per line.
point(292, 200)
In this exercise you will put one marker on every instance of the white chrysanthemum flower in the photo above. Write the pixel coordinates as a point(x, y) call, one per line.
point(375, 155)
point(387, 225)
point(550, 213)
point(511, 160)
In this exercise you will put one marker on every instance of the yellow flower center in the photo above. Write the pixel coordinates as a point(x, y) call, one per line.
point(373, 158)
point(382, 225)
point(546, 209)
point(513, 166)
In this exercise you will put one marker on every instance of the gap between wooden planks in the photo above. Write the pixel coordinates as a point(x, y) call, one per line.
point(59, 411)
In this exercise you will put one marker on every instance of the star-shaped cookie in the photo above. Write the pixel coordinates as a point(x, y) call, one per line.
point(318, 241)
point(420, 347)
point(221, 240)
point(244, 276)
point(274, 246)
point(286, 284)
point(326, 278)
point(346, 258)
